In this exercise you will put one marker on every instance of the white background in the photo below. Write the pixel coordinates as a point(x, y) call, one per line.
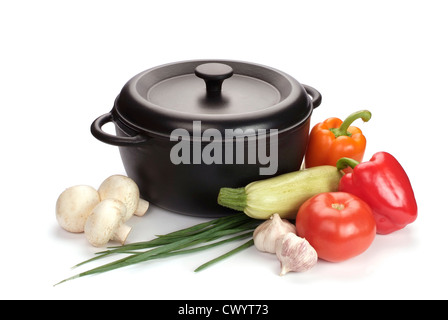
point(62, 63)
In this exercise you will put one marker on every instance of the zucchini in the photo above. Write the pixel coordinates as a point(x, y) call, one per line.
point(283, 194)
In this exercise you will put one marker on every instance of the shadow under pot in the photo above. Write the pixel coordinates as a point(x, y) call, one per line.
point(186, 129)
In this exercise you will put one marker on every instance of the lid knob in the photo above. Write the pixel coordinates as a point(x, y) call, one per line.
point(213, 74)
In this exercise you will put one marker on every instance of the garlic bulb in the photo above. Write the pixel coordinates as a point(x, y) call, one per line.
point(295, 254)
point(269, 231)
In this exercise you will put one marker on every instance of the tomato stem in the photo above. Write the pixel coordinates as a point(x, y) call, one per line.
point(338, 206)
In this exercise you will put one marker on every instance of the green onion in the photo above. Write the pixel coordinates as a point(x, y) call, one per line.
point(184, 241)
point(237, 249)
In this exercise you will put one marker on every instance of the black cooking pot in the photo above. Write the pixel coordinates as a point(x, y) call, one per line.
point(186, 129)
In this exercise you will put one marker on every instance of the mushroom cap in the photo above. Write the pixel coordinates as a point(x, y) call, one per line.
point(106, 218)
point(121, 188)
point(74, 205)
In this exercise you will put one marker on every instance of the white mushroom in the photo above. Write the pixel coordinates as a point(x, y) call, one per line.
point(106, 223)
point(126, 190)
point(74, 205)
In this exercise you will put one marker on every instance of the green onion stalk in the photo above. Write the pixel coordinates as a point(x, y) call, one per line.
point(199, 237)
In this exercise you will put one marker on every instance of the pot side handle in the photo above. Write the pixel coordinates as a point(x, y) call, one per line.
point(317, 97)
point(97, 132)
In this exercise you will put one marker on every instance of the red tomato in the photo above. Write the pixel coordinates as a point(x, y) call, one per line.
point(338, 225)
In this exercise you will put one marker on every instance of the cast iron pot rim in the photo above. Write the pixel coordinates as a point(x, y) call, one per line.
point(294, 91)
point(136, 134)
point(135, 130)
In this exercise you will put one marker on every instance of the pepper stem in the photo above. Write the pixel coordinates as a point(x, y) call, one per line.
point(365, 115)
point(346, 162)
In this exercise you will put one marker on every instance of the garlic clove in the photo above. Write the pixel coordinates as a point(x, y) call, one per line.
point(266, 234)
point(295, 254)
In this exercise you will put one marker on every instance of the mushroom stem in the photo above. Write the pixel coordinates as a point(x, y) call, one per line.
point(142, 207)
point(121, 234)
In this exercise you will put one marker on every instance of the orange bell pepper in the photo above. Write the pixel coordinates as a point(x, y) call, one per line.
point(333, 139)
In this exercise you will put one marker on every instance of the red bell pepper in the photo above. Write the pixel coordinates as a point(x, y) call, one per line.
point(385, 186)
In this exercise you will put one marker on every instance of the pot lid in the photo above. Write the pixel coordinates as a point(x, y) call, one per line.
point(221, 94)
